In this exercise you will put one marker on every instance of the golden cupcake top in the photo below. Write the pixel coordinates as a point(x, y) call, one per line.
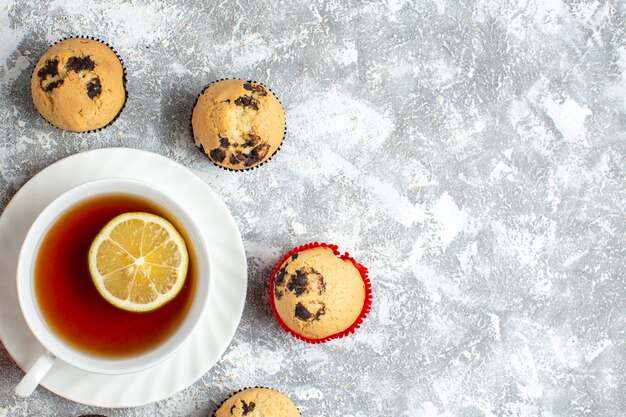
point(78, 85)
point(258, 402)
point(239, 124)
point(317, 294)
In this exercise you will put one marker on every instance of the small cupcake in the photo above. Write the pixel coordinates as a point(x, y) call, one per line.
point(239, 124)
point(317, 294)
point(258, 402)
point(78, 85)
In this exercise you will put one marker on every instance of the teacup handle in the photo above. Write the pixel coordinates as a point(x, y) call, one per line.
point(35, 374)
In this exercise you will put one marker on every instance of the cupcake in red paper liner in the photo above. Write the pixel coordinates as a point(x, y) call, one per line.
point(317, 294)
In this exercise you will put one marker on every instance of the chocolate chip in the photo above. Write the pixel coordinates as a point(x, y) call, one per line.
point(253, 140)
point(239, 156)
point(279, 282)
point(223, 142)
point(257, 88)
point(77, 64)
point(280, 277)
point(294, 256)
point(53, 85)
point(250, 161)
point(246, 101)
point(302, 313)
point(51, 68)
point(321, 311)
point(255, 156)
point(252, 158)
point(217, 155)
point(299, 283)
point(306, 280)
point(321, 289)
point(234, 407)
point(260, 151)
point(94, 88)
point(242, 158)
point(247, 408)
point(233, 160)
point(241, 101)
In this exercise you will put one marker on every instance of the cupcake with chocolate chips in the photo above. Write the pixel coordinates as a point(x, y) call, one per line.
point(258, 402)
point(239, 124)
point(317, 294)
point(78, 85)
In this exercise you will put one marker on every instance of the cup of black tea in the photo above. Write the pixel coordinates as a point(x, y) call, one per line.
point(66, 311)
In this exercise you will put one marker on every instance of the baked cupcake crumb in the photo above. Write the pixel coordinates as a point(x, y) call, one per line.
point(239, 124)
point(78, 85)
point(317, 294)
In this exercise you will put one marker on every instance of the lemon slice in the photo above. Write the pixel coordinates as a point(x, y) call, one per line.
point(138, 262)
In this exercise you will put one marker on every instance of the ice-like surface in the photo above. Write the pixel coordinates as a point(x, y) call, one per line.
point(472, 154)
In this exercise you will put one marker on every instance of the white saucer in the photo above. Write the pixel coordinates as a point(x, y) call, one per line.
point(228, 290)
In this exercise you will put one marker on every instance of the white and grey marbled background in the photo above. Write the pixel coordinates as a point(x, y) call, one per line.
point(471, 154)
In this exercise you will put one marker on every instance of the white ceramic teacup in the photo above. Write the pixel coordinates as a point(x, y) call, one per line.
point(56, 348)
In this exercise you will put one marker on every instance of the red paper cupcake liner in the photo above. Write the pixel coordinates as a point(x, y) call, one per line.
point(201, 148)
point(124, 82)
point(247, 388)
point(367, 304)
